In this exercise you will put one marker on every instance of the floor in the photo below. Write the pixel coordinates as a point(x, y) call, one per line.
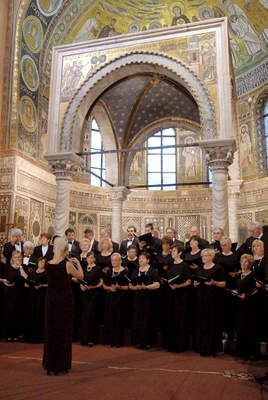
point(104, 373)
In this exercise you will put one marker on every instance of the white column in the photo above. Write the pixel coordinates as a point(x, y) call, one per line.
point(233, 195)
point(63, 188)
point(219, 196)
point(118, 196)
point(219, 155)
point(64, 166)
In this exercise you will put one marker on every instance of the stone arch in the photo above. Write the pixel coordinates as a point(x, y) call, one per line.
point(125, 66)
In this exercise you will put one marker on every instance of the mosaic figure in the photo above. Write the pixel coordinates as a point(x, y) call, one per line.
point(28, 115)
point(29, 73)
point(239, 23)
point(33, 33)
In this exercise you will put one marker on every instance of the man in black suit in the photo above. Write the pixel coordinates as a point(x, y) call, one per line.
point(106, 234)
point(44, 249)
point(156, 242)
point(194, 231)
point(130, 241)
point(217, 235)
point(15, 243)
point(73, 245)
point(171, 234)
point(255, 232)
point(89, 234)
point(29, 261)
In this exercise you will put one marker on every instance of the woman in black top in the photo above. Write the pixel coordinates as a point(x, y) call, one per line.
point(115, 283)
point(36, 283)
point(177, 304)
point(229, 261)
point(131, 261)
point(209, 282)
point(247, 307)
point(194, 260)
point(104, 255)
point(14, 297)
point(91, 298)
point(258, 269)
point(145, 283)
point(57, 357)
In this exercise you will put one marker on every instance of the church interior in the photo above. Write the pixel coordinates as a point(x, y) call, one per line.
point(124, 113)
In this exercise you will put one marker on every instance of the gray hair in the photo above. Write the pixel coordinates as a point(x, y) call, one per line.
point(16, 231)
point(255, 225)
point(29, 244)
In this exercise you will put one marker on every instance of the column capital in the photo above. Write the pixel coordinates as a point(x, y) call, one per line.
point(219, 153)
point(119, 193)
point(64, 165)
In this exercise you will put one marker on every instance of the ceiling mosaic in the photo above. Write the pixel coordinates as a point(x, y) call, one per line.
point(136, 102)
point(43, 24)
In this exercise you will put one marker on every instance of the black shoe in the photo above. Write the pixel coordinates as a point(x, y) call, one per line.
point(147, 347)
point(91, 344)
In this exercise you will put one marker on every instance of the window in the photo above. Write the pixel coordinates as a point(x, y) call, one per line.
point(161, 161)
point(265, 123)
point(97, 161)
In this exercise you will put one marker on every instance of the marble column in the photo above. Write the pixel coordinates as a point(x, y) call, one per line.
point(118, 195)
point(219, 155)
point(233, 195)
point(64, 166)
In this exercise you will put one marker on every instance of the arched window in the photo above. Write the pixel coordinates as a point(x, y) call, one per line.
point(172, 158)
point(97, 161)
point(265, 123)
point(161, 161)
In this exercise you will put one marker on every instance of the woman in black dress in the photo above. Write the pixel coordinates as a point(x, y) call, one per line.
point(36, 282)
point(247, 307)
point(104, 256)
point(91, 301)
point(115, 283)
point(229, 261)
point(177, 302)
point(131, 261)
point(194, 260)
point(57, 357)
point(163, 259)
point(14, 297)
point(209, 283)
point(145, 283)
point(258, 269)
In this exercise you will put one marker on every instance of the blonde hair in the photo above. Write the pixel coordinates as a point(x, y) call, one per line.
point(210, 252)
point(14, 253)
point(60, 248)
point(248, 257)
point(84, 240)
point(107, 240)
point(260, 243)
point(226, 239)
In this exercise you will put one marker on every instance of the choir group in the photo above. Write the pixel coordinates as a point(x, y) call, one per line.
point(185, 296)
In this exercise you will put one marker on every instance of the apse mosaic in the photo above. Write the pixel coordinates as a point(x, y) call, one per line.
point(47, 23)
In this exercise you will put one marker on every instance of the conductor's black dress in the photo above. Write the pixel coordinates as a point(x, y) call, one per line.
point(58, 319)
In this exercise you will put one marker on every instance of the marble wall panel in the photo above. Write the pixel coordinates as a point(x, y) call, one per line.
point(35, 220)
point(22, 212)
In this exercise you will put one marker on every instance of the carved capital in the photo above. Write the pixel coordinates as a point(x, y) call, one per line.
point(64, 165)
point(119, 193)
point(219, 154)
